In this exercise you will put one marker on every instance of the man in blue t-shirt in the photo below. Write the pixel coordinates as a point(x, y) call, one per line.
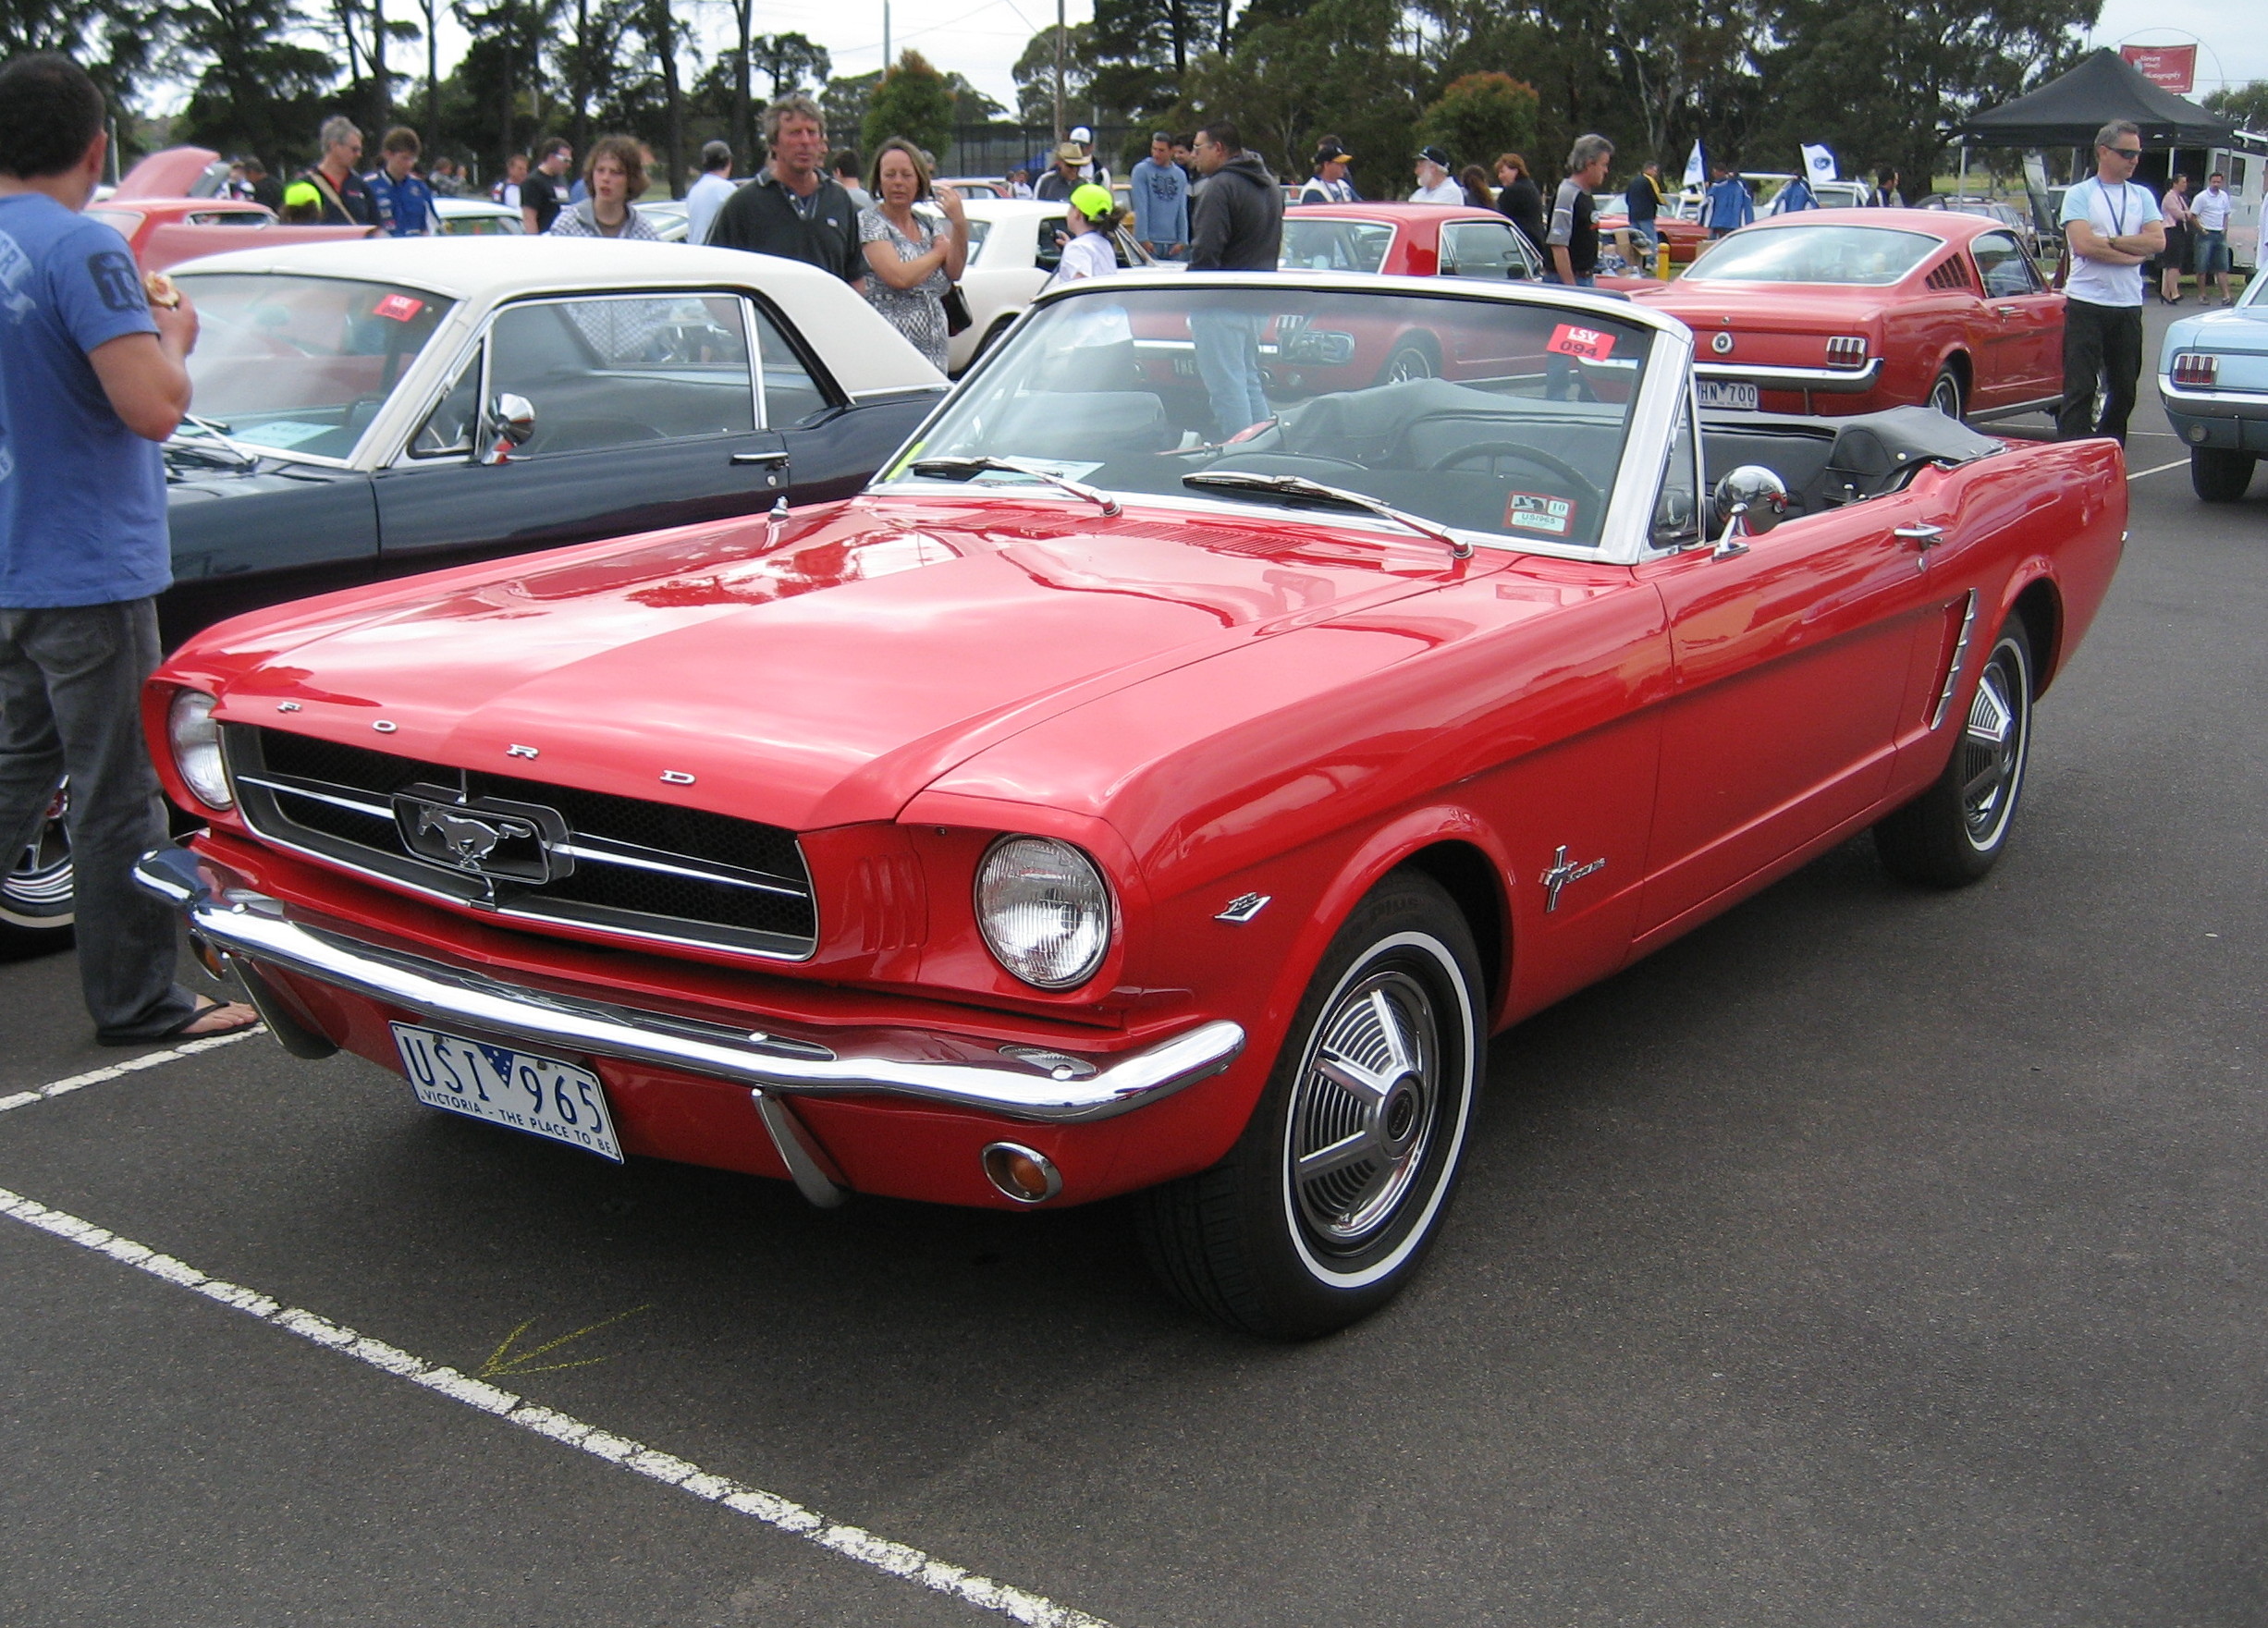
point(92, 376)
point(1160, 195)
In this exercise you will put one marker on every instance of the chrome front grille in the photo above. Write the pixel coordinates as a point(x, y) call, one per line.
point(526, 850)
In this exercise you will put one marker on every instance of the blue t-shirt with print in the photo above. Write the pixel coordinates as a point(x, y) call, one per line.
point(83, 498)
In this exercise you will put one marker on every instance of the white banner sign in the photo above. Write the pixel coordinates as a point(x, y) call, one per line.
point(1819, 164)
point(1696, 174)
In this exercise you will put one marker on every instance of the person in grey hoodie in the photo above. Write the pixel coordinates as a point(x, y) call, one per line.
point(1238, 226)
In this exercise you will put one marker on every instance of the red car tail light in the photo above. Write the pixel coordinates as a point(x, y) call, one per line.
point(2194, 368)
point(1846, 351)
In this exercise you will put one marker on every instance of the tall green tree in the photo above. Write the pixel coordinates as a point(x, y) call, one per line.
point(845, 102)
point(1035, 75)
point(115, 40)
point(913, 102)
point(1346, 67)
point(1478, 116)
point(2248, 104)
point(258, 90)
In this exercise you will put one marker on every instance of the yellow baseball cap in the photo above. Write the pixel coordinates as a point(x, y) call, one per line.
point(1092, 201)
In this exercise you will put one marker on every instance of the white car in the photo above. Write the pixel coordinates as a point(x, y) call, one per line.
point(1013, 252)
point(478, 217)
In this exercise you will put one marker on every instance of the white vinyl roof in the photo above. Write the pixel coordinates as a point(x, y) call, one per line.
point(865, 353)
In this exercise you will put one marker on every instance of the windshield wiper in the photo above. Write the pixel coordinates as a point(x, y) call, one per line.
point(217, 432)
point(1308, 491)
point(968, 469)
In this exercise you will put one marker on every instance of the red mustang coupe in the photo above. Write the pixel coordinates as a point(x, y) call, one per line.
point(1847, 310)
point(1091, 807)
point(163, 232)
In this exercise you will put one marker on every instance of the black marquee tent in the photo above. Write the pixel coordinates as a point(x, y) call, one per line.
point(2068, 112)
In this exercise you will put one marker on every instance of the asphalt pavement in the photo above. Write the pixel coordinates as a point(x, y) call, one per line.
point(1869, 1256)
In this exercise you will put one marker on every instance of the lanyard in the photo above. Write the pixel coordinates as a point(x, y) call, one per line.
point(2118, 215)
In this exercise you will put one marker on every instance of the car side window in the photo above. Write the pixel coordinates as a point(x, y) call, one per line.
point(1482, 249)
point(2007, 270)
point(1047, 254)
point(625, 369)
point(1677, 508)
point(792, 393)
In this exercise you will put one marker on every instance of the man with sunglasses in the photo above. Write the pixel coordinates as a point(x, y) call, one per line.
point(2113, 229)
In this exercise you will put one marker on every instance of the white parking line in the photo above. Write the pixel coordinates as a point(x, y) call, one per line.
point(897, 1559)
point(131, 1065)
point(2177, 464)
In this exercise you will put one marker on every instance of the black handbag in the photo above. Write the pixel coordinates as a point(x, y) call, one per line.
point(957, 317)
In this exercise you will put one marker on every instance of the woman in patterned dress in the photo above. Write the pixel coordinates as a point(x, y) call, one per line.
point(913, 266)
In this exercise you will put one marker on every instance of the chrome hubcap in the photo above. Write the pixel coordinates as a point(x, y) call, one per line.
point(1365, 1109)
point(38, 885)
point(1992, 748)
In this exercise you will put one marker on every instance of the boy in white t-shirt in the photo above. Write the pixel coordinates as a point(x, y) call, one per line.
point(2113, 229)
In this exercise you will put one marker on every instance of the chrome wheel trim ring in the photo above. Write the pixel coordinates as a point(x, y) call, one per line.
point(1993, 747)
point(1417, 1114)
point(1408, 363)
point(37, 892)
point(1945, 397)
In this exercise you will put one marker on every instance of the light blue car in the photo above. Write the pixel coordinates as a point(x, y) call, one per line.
point(2212, 377)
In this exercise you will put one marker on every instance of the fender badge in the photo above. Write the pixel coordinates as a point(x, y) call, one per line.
point(1562, 872)
point(675, 777)
point(520, 751)
point(1242, 909)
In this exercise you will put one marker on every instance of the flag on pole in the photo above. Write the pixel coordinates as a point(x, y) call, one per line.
point(1696, 174)
point(1819, 164)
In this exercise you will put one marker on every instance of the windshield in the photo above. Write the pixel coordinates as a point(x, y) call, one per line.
point(302, 364)
point(1872, 256)
point(1488, 416)
point(1334, 245)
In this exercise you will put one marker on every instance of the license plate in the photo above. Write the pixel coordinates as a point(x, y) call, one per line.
point(1730, 396)
point(514, 1089)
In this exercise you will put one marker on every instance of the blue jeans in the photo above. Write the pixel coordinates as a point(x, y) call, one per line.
point(1228, 361)
point(2212, 252)
point(1647, 235)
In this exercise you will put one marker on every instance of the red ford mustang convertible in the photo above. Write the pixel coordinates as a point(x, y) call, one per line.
point(1104, 802)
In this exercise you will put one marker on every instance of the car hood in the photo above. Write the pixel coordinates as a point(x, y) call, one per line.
point(812, 673)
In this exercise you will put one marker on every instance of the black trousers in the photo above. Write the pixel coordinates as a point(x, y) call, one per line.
point(2100, 342)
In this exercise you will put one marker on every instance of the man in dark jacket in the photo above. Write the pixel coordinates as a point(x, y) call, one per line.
point(790, 209)
point(1239, 221)
point(1237, 225)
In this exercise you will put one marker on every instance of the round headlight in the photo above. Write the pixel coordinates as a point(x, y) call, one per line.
point(195, 739)
point(1044, 910)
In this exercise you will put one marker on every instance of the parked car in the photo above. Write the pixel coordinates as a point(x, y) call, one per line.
point(974, 187)
point(369, 409)
point(1407, 239)
point(1679, 225)
point(2015, 219)
point(2212, 377)
point(1015, 247)
point(1092, 808)
point(668, 218)
point(163, 232)
point(1850, 311)
point(478, 217)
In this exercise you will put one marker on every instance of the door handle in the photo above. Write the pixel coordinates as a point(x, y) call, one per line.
point(2005, 310)
point(1925, 535)
point(742, 459)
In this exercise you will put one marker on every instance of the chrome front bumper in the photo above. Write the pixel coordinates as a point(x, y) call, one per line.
point(1831, 381)
point(1018, 1083)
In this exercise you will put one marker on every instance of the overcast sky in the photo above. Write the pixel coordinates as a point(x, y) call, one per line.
point(983, 38)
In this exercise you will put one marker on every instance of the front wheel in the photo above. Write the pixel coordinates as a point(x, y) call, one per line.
point(1950, 834)
point(37, 898)
point(1325, 1207)
point(2221, 474)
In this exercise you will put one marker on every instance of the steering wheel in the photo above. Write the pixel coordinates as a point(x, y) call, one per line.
point(1545, 461)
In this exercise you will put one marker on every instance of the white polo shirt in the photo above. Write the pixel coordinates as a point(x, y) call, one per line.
point(2211, 210)
point(2113, 211)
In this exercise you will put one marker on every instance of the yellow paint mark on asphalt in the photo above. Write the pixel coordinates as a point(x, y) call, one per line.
point(504, 1361)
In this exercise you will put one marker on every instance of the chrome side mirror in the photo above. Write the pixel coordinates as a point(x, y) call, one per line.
point(512, 423)
point(1752, 500)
